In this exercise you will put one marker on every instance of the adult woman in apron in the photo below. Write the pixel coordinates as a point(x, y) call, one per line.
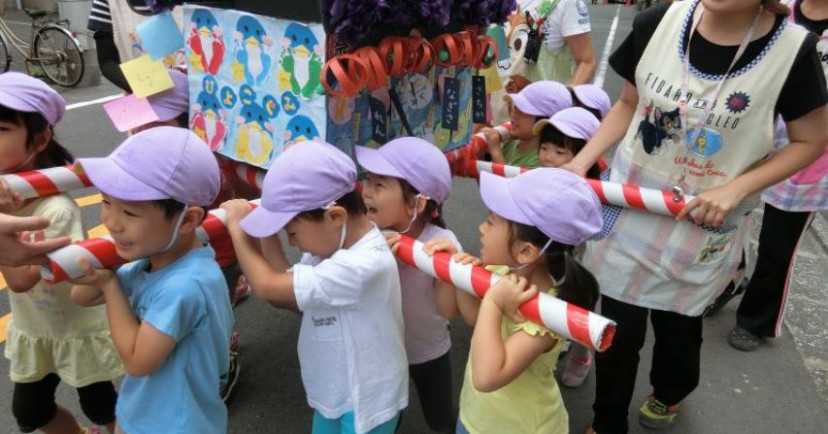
point(789, 210)
point(704, 81)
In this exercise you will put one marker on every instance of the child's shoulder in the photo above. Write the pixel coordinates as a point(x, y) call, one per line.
point(433, 232)
point(57, 205)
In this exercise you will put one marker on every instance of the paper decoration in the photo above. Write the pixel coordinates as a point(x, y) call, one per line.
point(130, 112)
point(160, 35)
point(146, 76)
point(254, 82)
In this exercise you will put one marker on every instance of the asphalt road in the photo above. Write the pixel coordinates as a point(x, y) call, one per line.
point(774, 390)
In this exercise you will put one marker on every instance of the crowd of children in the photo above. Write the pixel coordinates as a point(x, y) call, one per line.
point(369, 323)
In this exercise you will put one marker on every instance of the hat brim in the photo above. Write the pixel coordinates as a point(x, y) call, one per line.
point(372, 161)
point(262, 223)
point(539, 126)
point(14, 102)
point(498, 199)
point(521, 103)
point(111, 179)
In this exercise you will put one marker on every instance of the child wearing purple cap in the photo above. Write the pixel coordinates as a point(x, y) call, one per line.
point(408, 179)
point(592, 98)
point(563, 135)
point(534, 222)
point(50, 340)
point(537, 101)
point(168, 309)
point(347, 286)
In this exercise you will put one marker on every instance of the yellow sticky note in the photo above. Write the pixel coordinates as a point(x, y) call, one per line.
point(146, 76)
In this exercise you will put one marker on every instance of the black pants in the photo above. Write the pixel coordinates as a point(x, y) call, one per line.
point(675, 365)
point(761, 309)
point(33, 404)
point(433, 382)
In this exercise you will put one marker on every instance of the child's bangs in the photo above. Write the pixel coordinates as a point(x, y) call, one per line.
point(10, 115)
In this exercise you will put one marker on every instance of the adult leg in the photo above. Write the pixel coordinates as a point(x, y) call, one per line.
point(97, 401)
point(433, 382)
point(763, 305)
point(616, 368)
point(34, 407)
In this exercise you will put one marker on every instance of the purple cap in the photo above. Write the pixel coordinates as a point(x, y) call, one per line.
point(308, 176)
point(172, 102)
point(26, 94)
point(415, 160)
point(159, 163)
point(558, 202)
point(541, 98)
point(593, 97)
point(574, 122)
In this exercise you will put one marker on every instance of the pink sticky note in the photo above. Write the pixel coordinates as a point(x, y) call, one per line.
point(130, 112)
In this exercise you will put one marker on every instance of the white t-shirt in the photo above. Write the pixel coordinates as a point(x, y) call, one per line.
point(426, 333)
point(568, 18)
point(351, 348)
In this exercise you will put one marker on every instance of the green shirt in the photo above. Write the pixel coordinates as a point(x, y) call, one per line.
point(516, 157)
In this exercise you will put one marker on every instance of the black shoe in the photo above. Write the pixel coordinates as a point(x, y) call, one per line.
point(743, 340)
point(728, 294)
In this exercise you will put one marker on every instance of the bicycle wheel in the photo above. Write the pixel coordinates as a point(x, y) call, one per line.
point(59, 55)
point(5, 58)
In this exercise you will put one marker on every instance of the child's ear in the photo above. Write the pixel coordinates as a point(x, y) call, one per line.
point(338, 214)
point(42, 139)
point(192, 220)
point(526, 252)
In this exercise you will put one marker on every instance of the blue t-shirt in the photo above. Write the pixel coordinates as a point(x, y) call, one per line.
point(188, 301)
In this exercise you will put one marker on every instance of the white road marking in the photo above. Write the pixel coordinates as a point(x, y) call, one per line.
point(602, 67)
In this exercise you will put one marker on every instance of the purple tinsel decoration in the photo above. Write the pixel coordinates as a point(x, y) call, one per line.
point(351, 20)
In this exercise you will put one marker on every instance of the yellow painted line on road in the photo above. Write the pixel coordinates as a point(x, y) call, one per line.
point(4, 323)
point(89, 200)
point(97, 231)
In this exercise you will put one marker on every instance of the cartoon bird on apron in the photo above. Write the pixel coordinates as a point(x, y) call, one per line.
point(205, 42)
point(252, 64)
point(209, 116)
point(301, 61)
point(254, 137)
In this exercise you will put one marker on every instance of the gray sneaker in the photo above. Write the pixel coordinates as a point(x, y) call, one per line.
point(743, 340)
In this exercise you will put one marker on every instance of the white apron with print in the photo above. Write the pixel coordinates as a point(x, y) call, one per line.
point(654, 261)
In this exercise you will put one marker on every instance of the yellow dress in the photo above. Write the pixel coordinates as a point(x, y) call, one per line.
point(50, 334)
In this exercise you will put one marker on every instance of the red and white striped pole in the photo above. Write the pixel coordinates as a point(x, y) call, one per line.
point(253, 176)
point(568, 320)
point(612, 193)
point(462, 155)
point(101, 253)
point(46, 182)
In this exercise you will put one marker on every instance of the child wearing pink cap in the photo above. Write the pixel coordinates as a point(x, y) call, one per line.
point(408, 179)
point(168, 309)
point(534, 222)
point(563, 135)
point(537, 101)
point(351, 344)
point(50, 340)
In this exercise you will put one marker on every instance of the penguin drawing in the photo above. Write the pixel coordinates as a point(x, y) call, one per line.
point(254, 142)
point(205, 42)
point(209, 117)
point(252, 60)
point(300, 128)
point(301, 60)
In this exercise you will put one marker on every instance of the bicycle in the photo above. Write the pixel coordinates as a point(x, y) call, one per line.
point(51, 47)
